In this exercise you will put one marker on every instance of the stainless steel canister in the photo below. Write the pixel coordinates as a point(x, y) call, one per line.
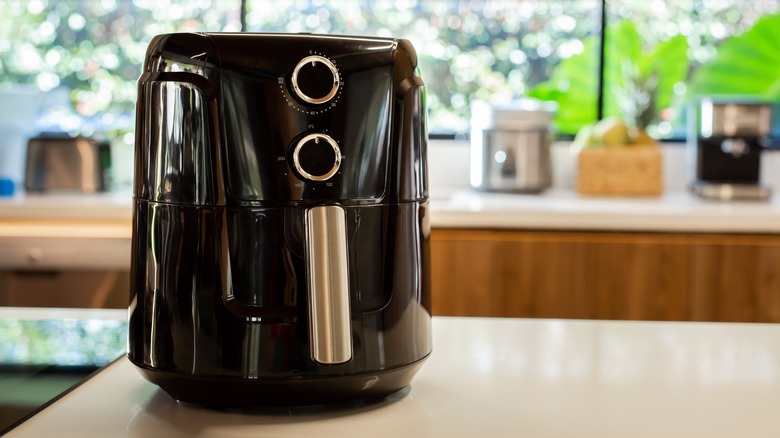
point(510, 146)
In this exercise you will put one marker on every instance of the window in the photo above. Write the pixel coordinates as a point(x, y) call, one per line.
point(488, 50)
point(72, 65)
point(85, 57)
point(683, 49)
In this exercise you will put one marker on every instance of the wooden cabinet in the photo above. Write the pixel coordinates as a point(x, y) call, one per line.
point(463, 276)
point(638, 276)
point(736, 278)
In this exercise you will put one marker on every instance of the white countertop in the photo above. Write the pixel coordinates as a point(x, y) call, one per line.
point(57, 313)
point(567, 210)
point(66, 205)
point(558, 209)
point(71, 231)
point(66, 231)
point(63, 231)
point(493, 377)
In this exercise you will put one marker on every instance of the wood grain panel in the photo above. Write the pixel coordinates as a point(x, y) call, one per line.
point(462, 275)
point(599, 275)
point(736, 279)
point(642, 280)
point(542, 277)
point(594, 275)
point(768, 282)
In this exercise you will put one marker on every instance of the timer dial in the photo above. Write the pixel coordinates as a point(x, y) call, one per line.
point(317, 157)
point(315, 79)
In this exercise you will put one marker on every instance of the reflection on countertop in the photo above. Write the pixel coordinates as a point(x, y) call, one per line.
point(46, 352)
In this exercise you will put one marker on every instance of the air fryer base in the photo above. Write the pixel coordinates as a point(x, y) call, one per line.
point(222, 392)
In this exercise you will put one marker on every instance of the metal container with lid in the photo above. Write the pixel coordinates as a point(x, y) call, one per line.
point(510, 146)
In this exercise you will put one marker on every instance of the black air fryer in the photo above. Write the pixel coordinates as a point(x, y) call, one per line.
point(281, 222)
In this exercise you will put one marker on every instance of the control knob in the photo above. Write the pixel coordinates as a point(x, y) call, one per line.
point(317, 157)
point(315, 80)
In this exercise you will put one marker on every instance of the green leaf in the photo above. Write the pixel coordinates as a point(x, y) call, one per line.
point(574, 83)
point(625, 51)
point(747, 64)
point(622, 50)
point(670, 61)
point(773, 92)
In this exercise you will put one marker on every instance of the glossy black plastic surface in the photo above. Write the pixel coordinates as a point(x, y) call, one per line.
point(217, 120)
point(222, 292)
point(218, 275)
point(715, 165)
point(282, 392)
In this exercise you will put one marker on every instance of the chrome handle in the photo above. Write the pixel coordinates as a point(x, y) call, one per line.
point(330, 329)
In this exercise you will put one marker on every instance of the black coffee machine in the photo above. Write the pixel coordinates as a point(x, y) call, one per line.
point(727, 144)
point(281, 223)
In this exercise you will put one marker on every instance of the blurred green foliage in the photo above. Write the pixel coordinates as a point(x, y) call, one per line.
point(95, 49)
point(492, 50)
point(487, 50)
point(747, 64)
point(574, 87)
point(629, 63)
point(93, 342)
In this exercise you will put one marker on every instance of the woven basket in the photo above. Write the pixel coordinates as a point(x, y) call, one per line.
point(622, 171)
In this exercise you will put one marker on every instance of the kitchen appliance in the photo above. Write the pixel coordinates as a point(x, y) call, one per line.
point(60, 162)
point(727, 147)
point(510, 146)
point(281, 223)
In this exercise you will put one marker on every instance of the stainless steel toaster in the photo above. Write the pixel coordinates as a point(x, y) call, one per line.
point(60, 162)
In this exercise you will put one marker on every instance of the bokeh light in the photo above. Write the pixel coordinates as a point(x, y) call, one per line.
point(467, 49)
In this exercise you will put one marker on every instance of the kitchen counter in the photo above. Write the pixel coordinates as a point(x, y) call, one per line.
point(455, 205)
point(465, 208)
point(67, 206)
point(493, 377)
point(66, 230)
point(560, 209)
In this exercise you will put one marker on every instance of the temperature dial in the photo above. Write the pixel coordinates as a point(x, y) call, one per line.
point(315, 79)
point(317, 157)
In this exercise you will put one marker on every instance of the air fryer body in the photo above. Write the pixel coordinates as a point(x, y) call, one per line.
point(280, 236)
